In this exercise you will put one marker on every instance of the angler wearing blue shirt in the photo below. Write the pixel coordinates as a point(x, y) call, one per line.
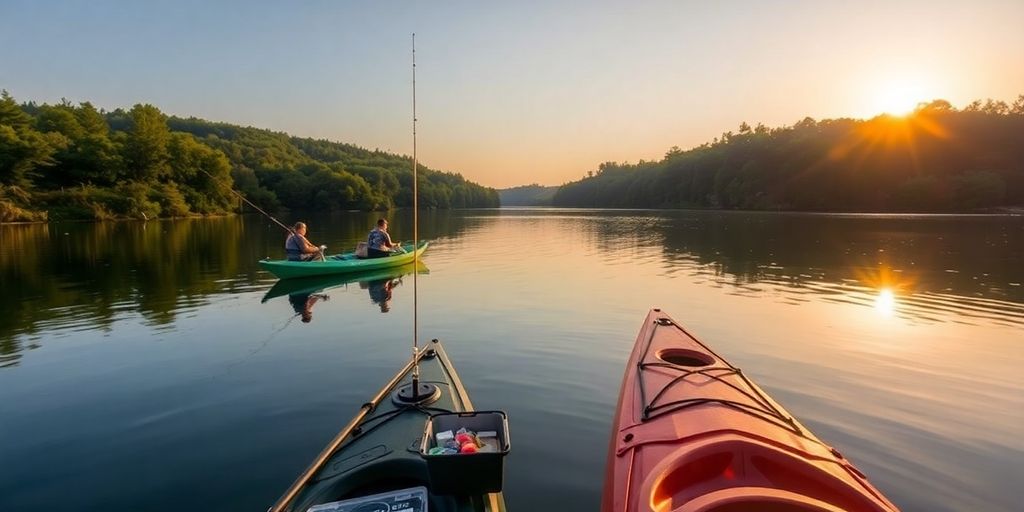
point(379, 241)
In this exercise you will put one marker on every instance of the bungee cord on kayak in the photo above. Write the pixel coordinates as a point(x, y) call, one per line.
point(710, 439)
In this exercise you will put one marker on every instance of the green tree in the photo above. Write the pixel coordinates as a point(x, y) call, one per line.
point(202, 174)
point(978, 189)
point(86, 153)
point(926, 161)
point(1018, 106)
point(23, 150)
point(145, 150)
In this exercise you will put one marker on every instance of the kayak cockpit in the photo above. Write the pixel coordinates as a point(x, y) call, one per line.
point(694, 434)
point(381, 452)
point(400, 477)
point(731, 471)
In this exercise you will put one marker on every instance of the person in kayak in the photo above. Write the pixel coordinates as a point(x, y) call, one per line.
point(380, 244)
point(298, 248)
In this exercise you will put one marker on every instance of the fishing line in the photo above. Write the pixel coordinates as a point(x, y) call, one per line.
point(252, 352)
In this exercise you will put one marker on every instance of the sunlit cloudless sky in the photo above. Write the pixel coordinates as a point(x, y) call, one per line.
point(518, 92)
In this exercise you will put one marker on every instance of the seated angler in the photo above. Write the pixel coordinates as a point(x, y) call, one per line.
point(298, 248)
point(379, 241)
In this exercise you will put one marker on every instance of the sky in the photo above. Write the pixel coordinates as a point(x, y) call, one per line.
point(519, 92)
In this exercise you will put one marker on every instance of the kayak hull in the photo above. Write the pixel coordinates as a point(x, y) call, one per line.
point(382, 453)
point(339, 264)
point(693, 434)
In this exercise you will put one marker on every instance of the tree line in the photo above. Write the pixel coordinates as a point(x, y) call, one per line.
point(527, 195)
point(68, 161)
point(936, 159)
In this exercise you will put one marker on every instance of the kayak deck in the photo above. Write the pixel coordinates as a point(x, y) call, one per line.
point(693, 433)
point(340, 263)
point(382, 452)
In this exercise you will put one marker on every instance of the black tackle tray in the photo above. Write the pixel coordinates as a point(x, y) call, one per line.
point(466, 473)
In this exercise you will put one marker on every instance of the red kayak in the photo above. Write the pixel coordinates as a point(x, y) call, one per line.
point(694, 434)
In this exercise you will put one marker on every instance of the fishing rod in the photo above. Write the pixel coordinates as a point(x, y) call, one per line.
point(415, 237)
point(271, 217)
point(412, 365)
point(250, 203)
point(323, 255)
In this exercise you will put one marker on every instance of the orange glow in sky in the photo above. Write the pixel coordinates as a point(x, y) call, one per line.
point(900, 96)
point(511, 94)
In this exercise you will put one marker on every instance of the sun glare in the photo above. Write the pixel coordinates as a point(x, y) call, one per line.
point(885, 303)
point(899, 98)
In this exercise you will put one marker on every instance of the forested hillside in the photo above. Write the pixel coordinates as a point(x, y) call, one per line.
point(936, 159)
point(68, 161)
point(527, 195)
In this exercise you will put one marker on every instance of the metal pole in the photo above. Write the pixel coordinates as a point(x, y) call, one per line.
point(415, 233)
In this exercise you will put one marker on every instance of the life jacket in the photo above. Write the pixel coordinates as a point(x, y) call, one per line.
point(294, 245)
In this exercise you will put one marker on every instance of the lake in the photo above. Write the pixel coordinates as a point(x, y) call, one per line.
point(141, 369)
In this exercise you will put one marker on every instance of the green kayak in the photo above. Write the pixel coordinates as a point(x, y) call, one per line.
point(339, 264)
point(315, 284)
point(375, 459)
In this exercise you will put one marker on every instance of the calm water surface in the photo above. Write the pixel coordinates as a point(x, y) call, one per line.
point(141, 368)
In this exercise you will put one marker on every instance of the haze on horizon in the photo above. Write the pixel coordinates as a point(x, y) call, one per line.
point(521, 93)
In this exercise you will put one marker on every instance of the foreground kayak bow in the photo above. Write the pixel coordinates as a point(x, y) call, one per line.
point(693, 434)
point(376, 453)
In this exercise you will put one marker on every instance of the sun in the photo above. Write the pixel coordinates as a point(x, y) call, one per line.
point(899, 97)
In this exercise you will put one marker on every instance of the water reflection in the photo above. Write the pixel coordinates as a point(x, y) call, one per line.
point(885, 302)
point(303, 304)
point(86, 276)
point(381, 291)
point(965, 265)
point(70, 277)
point(889, 336)
point(304, 293)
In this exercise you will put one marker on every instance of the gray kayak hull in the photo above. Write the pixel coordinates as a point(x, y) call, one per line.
point(382, 451)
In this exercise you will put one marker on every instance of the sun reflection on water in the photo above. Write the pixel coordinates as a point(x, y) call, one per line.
point(885, 302)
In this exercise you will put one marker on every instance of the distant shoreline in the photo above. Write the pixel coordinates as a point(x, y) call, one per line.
point(1005, 211)
point(992, 212)
point(120, 219)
